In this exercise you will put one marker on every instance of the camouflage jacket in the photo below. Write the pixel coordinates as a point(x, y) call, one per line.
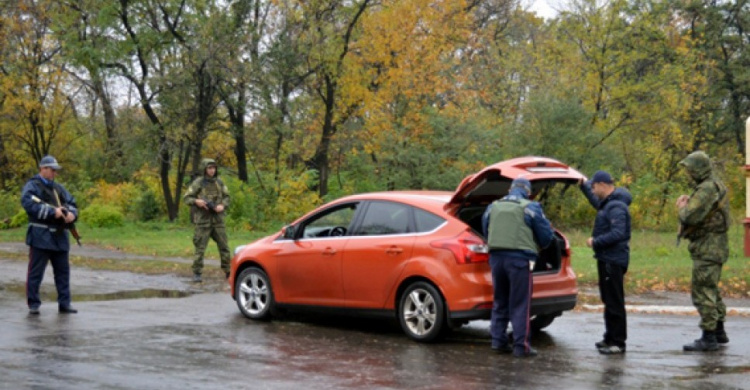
point(214, 192)
point(705, 220)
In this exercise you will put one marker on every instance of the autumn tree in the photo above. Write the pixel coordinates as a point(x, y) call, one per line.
point(36, 95)
point(720, 32)
point(334, 26)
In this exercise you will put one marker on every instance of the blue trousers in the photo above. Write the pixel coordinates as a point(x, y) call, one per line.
point(512, 284)
point(38, 259)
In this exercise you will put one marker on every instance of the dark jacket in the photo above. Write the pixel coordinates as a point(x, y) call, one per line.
point(612, 225)
point(534, 218)
point(45, 231)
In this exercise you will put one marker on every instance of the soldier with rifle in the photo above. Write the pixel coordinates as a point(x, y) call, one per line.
point(704, 220)
point(208, 197)
point(52, 211)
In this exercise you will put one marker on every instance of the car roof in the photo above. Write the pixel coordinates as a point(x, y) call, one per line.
point(429, 200)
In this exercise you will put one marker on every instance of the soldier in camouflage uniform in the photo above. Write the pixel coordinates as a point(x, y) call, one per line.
point(704, 219)
point(208, 198)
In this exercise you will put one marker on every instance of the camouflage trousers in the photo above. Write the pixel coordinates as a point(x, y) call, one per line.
point(200, 240)
point(706, 295)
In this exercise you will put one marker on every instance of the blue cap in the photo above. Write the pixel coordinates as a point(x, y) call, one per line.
point(49, 161)
point(521, 183)
point(602, 177)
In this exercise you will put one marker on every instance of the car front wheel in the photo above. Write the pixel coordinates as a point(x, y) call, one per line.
point(421, 312)
point(253, 294)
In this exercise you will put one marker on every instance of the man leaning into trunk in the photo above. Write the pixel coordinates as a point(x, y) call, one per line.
point(610, 241)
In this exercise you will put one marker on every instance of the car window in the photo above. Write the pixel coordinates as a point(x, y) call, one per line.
point(330, 223)
point(426, 221)
point(385, 218)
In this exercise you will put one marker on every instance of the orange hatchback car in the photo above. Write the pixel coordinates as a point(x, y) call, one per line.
point(418, 257)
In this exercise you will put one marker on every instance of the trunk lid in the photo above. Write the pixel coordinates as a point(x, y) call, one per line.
point(493, 182)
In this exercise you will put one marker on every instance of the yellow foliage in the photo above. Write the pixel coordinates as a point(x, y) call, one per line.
point(295, 198)
point(120, 195)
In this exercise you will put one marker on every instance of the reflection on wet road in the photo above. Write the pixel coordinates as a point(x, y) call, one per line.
point(200, 341)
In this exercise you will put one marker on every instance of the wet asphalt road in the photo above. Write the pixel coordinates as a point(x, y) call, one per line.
point(187, 337)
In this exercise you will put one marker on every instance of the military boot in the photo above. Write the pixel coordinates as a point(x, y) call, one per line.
point(707, 342)
point(721, 335)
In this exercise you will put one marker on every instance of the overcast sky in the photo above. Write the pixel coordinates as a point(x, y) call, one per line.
point(543, 8)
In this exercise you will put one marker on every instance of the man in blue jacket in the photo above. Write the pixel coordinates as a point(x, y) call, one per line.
point(516, 229)
point(49, 207)
point(611, 243)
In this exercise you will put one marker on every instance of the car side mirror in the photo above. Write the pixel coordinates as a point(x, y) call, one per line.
point(288, 232)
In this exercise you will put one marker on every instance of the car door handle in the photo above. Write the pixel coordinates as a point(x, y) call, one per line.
point(329, 251)
point(394, 250)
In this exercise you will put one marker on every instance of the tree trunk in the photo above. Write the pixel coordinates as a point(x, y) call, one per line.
point(320, 159)
point(113, 146)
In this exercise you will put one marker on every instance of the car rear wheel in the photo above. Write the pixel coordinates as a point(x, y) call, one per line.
point(542, 321)
point(422, 312)
point(254, 295)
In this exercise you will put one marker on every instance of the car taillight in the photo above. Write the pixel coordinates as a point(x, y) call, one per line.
point(466, 247)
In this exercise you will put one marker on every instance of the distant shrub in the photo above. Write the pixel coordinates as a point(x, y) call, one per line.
point(15, 221)
point(120, 195)
point(9, 202)
point(18, 220)
point(147, 207)
point(106, 216)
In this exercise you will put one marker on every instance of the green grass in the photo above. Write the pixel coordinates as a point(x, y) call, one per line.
point(655, 262)
point(150, 239)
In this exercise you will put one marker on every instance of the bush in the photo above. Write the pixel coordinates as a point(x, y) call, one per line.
point(9, 202)
point(105, 216)
point(18, 220)
point(147, 207)
point(119, 195)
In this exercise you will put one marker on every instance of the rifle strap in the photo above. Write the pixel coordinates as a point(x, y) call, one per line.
point(57, 197)
point(51, 193)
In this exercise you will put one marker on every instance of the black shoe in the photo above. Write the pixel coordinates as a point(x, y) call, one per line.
point(67, 310)
point(721, 334)
point(525, 354)
point(34, 311)
point(612, 350)
point(503, 349)
point(601, 344)
point(197, 278)
point(706, 343)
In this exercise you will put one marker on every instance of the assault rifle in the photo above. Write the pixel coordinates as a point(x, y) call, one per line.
point(70, 226)
point(211, 205)
point(683, 231)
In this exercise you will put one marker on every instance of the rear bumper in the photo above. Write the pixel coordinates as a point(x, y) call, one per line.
point(553, 304)
point(539, 306)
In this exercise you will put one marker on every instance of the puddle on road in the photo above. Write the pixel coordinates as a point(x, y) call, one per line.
point(51, 295)
point(135, 294)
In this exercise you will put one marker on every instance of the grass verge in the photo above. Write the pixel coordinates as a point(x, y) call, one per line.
point(655, 262)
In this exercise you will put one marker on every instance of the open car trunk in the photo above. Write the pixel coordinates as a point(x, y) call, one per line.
point(550, 258)
point(479, 190)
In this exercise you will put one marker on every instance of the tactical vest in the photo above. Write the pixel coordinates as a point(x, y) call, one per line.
point(508, 229)
point(211, 190)
point(718, 219)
